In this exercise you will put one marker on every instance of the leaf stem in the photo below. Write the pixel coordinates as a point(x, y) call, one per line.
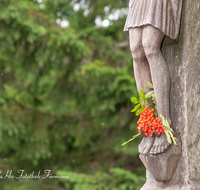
point(135, 136)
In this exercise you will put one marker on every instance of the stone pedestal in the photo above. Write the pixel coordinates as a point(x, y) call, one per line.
point(183, 58)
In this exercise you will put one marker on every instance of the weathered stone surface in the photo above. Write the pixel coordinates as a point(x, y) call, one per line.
point(162, 166)
point(192, 64)
point(183, 59)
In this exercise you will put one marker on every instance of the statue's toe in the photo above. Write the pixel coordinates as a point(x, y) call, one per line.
point(146, 145)
point(146, 150)
point(159, 149)
point(152, 151)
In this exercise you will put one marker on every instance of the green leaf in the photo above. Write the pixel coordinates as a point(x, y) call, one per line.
point(149, 85)
point(153, 98)
point(168, 131)
point(163, 120)
point(136, 108)
point(165, 123)
point(140, 97)
point(168, 137)
point(149, 94)
point(143, 95)
point(140, 110)
point(173, 138)
point(134, 100)
point(162, 117)
point(148, 100)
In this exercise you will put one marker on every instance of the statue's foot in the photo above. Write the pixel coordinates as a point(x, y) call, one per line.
point(146, 145)
point(160, 144)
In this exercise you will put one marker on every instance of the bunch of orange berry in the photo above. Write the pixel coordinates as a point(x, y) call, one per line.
point(147, 124)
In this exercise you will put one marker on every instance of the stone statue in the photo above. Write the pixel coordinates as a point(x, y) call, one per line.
point(176, 167)
point(147, 23)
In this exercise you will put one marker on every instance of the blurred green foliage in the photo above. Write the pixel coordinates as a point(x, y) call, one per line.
point(65, 96)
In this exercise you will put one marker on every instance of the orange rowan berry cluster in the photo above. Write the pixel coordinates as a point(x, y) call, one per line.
point(147, 124)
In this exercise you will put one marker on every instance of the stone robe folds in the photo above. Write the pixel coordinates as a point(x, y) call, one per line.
point(162, 14)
